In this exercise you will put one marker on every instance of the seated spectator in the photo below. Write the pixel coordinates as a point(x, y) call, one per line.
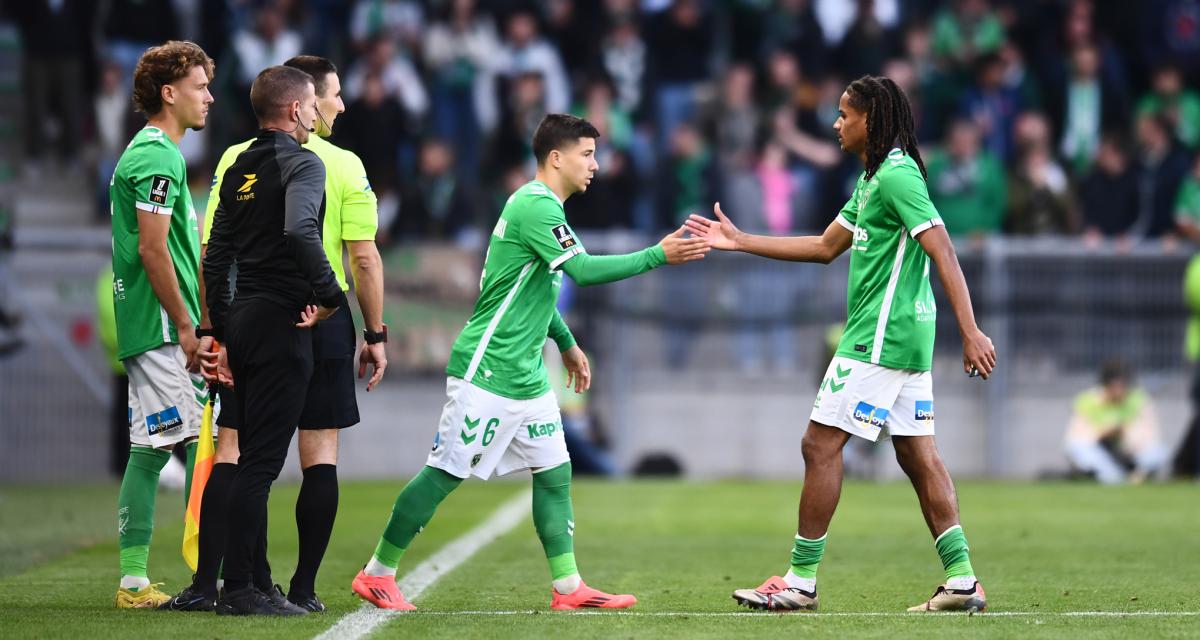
point(375, 128)
point(1161, 167)
point(437, 207)
point(687, 178)
point(680, 41)
point(1179, 105)
point(608, 202)
point(1187, 204)
point(1088, 106)
point(1113, 432)
point(1109, 193)
point(397, 74)
point(525, 52)
point(1040, 201)
point(399, 20)
point(993, 106)
point(966, 183)
point(624, 57)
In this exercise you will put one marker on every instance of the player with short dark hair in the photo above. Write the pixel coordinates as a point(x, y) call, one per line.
point(268, 220)
point(351, 221)
point(156, 257)
point(501, 416)
point(879, 382)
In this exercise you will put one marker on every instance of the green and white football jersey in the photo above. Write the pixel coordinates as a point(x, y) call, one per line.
point(500, 349)
point(890, 312)
point(151, 177)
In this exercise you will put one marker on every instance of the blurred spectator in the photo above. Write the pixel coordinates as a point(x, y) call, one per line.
point(402, 21)
point(571, 27)
point(1161, 168)
point(267, 42)
point(115, 125)
point(56, 41)
point(1039, 193)
point(374, 127)
point(1187, 204)
point(734, 121)
point(791, 25)
point(1114, 432)
point(993, 105)
point(936, 91)
point(525, 53)
point(129, 28)
point(609, 199)
point(1090, 105)
point(397, 74)
point(687, 180)
point(1180, 106)
point(966, 29)
point(524, 106)
point(1169, 33)
point(624, 55)
point(437, 206)
point(458, 50)
point(681, 42)
point(1110, 192)
point(866, 45)
point(966, 183)
point(837, 16)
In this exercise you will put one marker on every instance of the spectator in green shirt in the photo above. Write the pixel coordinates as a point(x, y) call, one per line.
point(967, 183)
point(969, 29)
point(1187, 204)
point(1179, 105)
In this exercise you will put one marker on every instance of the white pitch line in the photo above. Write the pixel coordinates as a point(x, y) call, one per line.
point(831, 614)
point(361, 622)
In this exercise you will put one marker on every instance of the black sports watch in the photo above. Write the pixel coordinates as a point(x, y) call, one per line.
point(204, 333)
point(375, 337)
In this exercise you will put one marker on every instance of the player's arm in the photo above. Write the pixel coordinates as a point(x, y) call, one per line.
point(160, 271)
point(579, 370)
point(304, 188)
point(978, 351)
point(586, 270)
point(723, 234)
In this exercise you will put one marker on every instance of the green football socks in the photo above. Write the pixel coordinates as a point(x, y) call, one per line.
point(413, 509)
point(554, 519)
point(952, 549)
point(806, 556)
point(135, 507)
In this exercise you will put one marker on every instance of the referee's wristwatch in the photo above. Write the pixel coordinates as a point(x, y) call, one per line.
point(204, 333)
point(375, 337)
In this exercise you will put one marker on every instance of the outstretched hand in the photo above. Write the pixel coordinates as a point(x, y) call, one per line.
point(679, 249)
point(718, 234)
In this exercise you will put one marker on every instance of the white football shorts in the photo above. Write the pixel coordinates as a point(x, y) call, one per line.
point(868, 400)
point(166, 401)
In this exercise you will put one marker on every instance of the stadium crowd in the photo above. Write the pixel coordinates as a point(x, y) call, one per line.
point(1067, 117)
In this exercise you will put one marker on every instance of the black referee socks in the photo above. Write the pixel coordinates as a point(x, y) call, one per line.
point(316, 509)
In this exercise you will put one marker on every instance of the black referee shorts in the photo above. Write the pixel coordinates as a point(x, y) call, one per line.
point(330, 402)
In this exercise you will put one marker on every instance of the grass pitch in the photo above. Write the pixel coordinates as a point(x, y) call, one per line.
point(1057, 561)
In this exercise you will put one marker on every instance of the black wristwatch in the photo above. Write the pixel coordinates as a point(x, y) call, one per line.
point(204, 333)
point(375, 337)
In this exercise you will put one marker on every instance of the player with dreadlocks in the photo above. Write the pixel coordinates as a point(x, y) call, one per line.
point(879, 382)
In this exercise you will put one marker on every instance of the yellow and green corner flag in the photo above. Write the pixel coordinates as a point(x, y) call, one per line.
point(200, 473)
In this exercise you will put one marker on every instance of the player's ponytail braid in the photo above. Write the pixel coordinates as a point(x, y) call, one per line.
point(889, 120)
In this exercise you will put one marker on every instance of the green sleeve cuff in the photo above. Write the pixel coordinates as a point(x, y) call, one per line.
point(658, 257)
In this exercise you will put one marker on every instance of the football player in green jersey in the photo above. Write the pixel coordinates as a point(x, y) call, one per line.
point(156, 259)
point(501, 416)
point(879, 380)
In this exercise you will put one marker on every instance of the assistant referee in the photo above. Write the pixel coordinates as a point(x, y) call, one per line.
point(268, 221)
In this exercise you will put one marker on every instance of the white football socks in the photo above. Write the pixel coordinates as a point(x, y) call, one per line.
point(377, 568)
point(566, 586)
point(961, 583)
point(137, 583)
point(796, 582)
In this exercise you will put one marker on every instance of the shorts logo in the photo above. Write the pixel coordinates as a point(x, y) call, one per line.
point(470, 425)
point(870, 416)
point(437, 441)
point(924, 410)
point(160, 186)
point(563, 235)
point(166, 420)
point(476, 459)
point(542, 430)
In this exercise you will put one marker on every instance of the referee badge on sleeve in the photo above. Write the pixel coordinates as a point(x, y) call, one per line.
point(160, 186)
point(562, 234)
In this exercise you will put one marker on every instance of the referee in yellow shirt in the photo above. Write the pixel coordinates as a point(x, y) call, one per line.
point(351, 220)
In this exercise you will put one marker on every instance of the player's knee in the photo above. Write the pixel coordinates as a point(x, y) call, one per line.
point(318, 446)
point(817, 449)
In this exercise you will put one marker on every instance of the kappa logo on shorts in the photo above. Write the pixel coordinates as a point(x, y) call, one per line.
point(924, 410)
point(166, 420)
point(870, 415)
point(542, 430)
point(160, 186)
point(562, 234)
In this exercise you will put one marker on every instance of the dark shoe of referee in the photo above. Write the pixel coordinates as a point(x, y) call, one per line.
point(268, 221)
